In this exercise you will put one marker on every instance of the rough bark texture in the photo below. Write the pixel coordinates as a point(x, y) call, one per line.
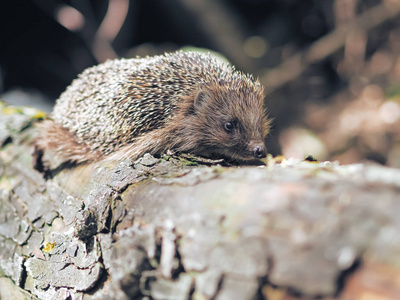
point(170, 228)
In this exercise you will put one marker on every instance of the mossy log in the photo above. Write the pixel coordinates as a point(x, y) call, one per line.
point(173, 228)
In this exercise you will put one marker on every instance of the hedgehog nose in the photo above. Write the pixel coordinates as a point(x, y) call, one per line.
point(259, 151)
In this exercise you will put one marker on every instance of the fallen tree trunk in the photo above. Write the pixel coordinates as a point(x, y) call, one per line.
point(171, 228)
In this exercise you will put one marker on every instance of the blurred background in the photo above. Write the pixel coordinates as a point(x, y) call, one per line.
point(331, 68)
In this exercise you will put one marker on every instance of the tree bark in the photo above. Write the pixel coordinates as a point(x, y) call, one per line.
point(173, 228)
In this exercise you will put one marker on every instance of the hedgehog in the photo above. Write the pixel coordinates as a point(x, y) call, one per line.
point(185, 102)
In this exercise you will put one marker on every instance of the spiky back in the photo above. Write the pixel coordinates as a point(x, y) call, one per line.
point(111, 104)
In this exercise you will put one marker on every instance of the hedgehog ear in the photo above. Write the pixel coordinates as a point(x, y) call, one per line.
point(202, 96)
point(200, 99)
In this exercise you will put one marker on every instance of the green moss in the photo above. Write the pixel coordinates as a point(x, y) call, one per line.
point(392, 91)
point(187, 162)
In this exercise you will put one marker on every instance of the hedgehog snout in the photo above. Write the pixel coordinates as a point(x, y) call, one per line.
point(258, 150)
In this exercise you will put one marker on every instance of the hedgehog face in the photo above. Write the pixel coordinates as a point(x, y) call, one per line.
point(231, 123)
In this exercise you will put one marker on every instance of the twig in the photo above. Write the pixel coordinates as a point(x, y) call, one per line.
point(223, 28)
point(109, 28)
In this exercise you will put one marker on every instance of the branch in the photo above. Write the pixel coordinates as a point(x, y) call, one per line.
point(171, 228)
point(328, 45)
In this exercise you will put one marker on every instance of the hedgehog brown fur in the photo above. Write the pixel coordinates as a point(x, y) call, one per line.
point(183, 101)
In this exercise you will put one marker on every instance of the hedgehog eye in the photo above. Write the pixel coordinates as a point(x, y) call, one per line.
point(228, 126)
